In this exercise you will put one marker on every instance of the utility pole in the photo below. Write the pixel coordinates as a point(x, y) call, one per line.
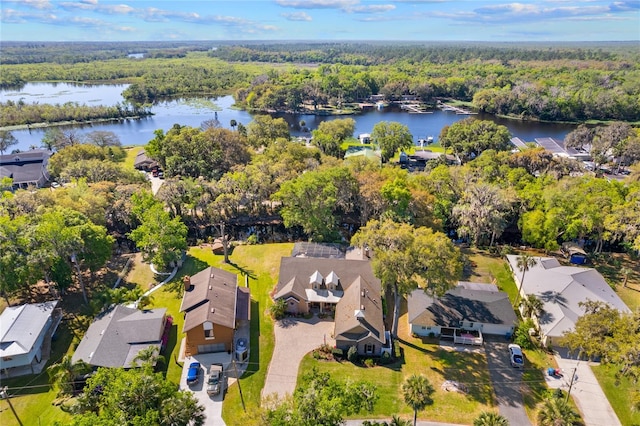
point(5, 396)
point(573, 377)
point(235, 368)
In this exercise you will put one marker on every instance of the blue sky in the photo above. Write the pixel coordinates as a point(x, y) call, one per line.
point(418, 20)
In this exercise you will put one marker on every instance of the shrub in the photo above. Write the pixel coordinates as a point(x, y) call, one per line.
point(385, 358)
point(369, 362)
point(521, 335)
point(252, 239)
point(432, 335)
point(337, 353)
point(278, 308)
point(352, 354)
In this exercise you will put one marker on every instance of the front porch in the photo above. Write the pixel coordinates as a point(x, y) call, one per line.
point(467, 337)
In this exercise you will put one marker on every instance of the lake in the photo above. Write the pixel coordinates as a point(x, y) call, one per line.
point(193, 111)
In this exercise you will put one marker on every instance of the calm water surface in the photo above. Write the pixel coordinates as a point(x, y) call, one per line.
point(192, 112)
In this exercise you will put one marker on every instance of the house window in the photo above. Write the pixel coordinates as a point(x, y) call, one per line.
point(7, 358)
point(208, 330)
point(368, 349)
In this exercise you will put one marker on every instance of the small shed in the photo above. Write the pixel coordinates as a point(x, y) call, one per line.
point(575, 253)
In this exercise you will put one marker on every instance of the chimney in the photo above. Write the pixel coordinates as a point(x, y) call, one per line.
point(187, 282)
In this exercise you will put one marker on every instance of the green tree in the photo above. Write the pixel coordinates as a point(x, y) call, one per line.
point(265, 130)
point(556, 412)
point(135, 397)
point(405, 257)
point(316, 201)
point(322, 401)
point(7, 140)
point(148, 357)
point(160, 238)
point(330, 134)
point(417, 392)
point(390, 137)
point(531, 306)
point(524, 263)
point(489, 418)
point(62, 374)
point(482, 213)
point(468, 138)
point(103, 138)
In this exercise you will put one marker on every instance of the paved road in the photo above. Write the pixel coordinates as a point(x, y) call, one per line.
point(507, 382)
point(294, 339)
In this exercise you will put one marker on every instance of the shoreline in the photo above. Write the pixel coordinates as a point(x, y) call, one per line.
point(70, 123)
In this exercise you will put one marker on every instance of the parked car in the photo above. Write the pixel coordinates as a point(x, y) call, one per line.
point(193, 375)
point(515, 356)
point(214, 382)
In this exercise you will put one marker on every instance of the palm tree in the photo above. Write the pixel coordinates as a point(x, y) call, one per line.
point(148, 357)
point(417, 393)
point(557, 412)
point(531, 306)
point(397, 421)
point(524, 263)
point(489, 418)
point(63, 373)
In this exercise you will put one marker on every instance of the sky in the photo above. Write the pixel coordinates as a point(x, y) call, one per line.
point(401, 20)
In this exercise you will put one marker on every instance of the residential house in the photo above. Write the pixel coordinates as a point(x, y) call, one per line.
point(143, 162)
point(25, 335)
point(345, 288)
point(117, 336)
point(463, 314)
point(27, 168)
point(214, 306)
point(561, 290)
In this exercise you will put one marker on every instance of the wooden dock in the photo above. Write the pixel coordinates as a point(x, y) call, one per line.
point(414, 109)
point(457, 110)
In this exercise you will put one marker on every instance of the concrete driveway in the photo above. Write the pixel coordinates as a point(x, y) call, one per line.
point(586, 392)
point(212, 404)
point(506, 380)
point(294, 339)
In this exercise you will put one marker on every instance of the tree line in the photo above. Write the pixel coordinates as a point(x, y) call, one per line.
point(555, 83)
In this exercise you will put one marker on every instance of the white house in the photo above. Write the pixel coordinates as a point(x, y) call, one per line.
point(561, 289)
point(463, 314)
point(24, 331)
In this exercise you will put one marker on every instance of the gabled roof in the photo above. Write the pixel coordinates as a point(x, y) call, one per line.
point(20, 327)
point(212, 297)
point(561, 289)
point(468, 301)
point(116, 336)
point(143, 160)
point(25, 167)
point(359, 313)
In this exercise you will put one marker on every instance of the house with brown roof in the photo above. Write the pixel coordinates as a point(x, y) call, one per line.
point(213, 307)
point(345, 287)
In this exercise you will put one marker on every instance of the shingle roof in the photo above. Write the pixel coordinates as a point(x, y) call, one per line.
point(212, 297)
point(25, 167)
point(464, 302)
point(115, 337)
point(359, 312)
point(561, 289)
point(21, 325)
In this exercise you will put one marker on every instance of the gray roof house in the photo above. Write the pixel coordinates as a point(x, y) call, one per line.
point(143, 162)
point(346, 287)
point(561, 289)
point(462, 314)
point(27, 168)
point(116, 337)
point(25, 336)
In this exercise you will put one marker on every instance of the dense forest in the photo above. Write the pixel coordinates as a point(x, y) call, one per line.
point(572, 82)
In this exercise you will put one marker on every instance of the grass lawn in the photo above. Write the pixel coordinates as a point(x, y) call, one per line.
point(131, 156)
point(618, 393)
point(426, 357)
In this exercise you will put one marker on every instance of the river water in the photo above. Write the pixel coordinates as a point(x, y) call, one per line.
point(192, 112)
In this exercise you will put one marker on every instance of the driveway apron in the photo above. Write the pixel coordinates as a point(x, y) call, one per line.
point(507, 382)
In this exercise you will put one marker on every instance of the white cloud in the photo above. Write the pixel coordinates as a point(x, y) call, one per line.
point(373, 8)
point(296, 16)
point(318, 4)
point(34, 4)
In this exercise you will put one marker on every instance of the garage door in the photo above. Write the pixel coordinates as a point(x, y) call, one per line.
point(217, 347)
